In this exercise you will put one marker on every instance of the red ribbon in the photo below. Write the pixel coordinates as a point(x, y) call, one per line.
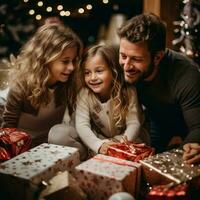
point(115, 162)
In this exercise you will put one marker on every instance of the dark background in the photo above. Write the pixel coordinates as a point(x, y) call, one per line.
point(17, 25)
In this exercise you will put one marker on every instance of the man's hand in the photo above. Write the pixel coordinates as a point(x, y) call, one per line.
point(104, 147)
point(191, 153)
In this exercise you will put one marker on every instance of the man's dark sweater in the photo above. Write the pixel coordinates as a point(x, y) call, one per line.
point(172, 100)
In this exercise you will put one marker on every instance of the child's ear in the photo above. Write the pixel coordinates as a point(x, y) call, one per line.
point(158, 57)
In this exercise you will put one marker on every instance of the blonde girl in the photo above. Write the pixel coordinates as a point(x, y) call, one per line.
point(106, 108)
point(42, 81)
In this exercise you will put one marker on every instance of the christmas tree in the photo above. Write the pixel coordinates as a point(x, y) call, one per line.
point(187, 30)
point(15, 27)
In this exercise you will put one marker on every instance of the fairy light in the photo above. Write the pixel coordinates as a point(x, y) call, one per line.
point(67, 13)
point(38, 17)
point(60, 7)
point(31, 12)
point(49, 9)
point(105, 1)
point(81, 10)
point(62, 13)
point(40, 3)
point(89, 7)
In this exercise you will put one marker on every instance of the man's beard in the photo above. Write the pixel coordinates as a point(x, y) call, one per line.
point(142, 76)
point(146, 74)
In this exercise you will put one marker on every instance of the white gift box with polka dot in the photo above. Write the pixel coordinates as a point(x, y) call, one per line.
point(22, 174)
point(102, 176)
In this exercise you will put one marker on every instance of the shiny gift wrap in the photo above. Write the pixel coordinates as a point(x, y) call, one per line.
point(130, 151)
point(24, 173)
point(168, 167)
point(13, 142)
point(102, 176)
point(169, 192)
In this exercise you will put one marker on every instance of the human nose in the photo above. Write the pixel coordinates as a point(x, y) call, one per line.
point(127, 64)
point(71, 66)
point(93, 76)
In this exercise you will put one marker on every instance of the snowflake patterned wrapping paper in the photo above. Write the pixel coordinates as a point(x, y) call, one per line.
point(168, 167)
point(102, 176)
point(25, 172)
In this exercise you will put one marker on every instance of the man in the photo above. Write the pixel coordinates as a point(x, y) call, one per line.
point(167, 82)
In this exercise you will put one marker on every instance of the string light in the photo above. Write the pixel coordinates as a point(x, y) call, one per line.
point(31, 12)
point(40, 3)
point(49, 9)
point(105, 1)
point(62, 13)
point(66, 12)
point(38, 17)
point(81, 10)
point(60, 7)
point(89, 7)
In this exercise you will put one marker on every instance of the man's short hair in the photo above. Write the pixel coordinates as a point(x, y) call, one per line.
point(145, 27)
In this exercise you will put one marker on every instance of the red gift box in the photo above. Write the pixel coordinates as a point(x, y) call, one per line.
point(130, 151)
point(13, 142)
point(169, 192)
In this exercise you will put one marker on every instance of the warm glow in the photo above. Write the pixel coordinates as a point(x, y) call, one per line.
point(25, 1)
point(62, 13)
point(31, 12)
point(81, 10)
point(67, 13)
point(49, 9)
point(89, 7)
point(40, 3)
point(38, 17)
point(59, 7)
point(105, 1)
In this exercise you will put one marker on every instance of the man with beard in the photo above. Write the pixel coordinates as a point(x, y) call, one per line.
point(168, 83)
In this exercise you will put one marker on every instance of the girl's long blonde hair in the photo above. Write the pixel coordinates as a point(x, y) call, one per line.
point(46, 45)
point(119, 94)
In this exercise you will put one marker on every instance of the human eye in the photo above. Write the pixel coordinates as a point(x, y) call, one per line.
point(66, 61)
point(123, 56)
point(100, 70)
point(137, 60)
point(86, 72)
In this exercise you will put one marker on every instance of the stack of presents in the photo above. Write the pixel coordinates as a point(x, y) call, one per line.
point(54, 172)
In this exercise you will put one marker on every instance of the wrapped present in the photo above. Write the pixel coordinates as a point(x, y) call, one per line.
point(24, 173)
point(13, 142)
point(169, 192)
point(168, 167)
point(102, 176)
point(62, 185)
point(130, 151)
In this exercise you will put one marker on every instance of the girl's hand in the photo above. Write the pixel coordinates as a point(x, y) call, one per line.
point(104, 147)
point(191, 153)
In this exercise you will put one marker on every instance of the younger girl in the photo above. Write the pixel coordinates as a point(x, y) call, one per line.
point(42, 85)
point(106, 108)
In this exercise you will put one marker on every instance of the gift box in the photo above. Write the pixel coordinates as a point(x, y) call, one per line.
point(102, 176)
point(169, 192)
point(62, 185)
point(130, 151)
point(13, 142)
point(24, 173)
point(168, 167)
